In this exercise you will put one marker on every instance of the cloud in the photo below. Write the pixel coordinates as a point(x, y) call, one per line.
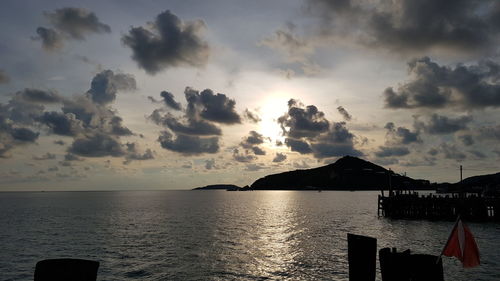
point(438, 124)
point(71, 157)
point(401, 135)
point(410, 26)
point(24, 134)
point(46, 156)
point(4, 77)
point(189, 145)
point(252, 167)
point(106, 84)
point(68, 24)
point(306, 130)
point(167, 42)
point(169, 100)
point(194, 127)
point(280, 157)
point(344, 113)
point(450, 151)
point(51, 39)
point(212, 107)
point(97, 145)
point(251, 116)
point(435, 86)
point(385, 151)
point(477, 154)
point(39, 96)
point(467, 140)
point(65, 124)
point(210, 164)
point(59, 142)
point(76, 23)
point(244, 158)
point(134, 154)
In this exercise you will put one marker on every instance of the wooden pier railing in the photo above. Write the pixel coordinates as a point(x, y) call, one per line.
point(439, 207)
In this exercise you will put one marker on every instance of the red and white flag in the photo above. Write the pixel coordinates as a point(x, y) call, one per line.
point(461, 244)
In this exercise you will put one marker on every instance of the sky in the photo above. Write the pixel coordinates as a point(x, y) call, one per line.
point(107, 95)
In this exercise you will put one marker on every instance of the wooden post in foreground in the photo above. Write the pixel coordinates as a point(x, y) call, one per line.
point(362, 256)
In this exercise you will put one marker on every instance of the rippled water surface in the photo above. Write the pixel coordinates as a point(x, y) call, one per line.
point(215, 235)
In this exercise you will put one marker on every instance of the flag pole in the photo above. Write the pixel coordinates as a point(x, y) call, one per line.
point(449, 238)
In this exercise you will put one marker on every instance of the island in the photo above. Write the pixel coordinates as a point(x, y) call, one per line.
point(228, 187)
point(347, 173)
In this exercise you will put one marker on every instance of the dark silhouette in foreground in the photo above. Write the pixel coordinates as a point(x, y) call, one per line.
point(66, 270)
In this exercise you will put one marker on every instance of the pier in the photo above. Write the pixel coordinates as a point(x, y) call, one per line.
point(471, 207)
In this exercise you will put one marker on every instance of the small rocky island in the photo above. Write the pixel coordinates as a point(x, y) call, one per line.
point(229, 187)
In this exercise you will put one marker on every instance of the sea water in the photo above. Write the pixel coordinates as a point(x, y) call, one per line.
point(216, 235)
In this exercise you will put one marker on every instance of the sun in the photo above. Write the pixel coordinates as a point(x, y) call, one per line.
point(270, 110)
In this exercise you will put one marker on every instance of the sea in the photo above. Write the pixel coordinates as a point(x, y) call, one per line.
point(216, 235)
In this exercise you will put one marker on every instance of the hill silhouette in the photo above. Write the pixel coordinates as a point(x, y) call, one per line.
point(347, 173)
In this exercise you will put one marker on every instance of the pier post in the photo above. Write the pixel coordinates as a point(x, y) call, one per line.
point(362, 256)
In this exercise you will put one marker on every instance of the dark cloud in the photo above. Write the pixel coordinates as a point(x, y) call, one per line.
point(344, 113)
point(434, 86)
point(76, 23)
point(97, 145)
point(71, 157)
point(385, 151)
point(301, 122)
point(64, 124)
point(450, 151)
point(167, 42)
point(169, 100)
point(467, 140)
point(188, 127)
point(301, 165)
point(134, 154)
point(308, 131)
point(117, 128)
point(254, 138)
point(401, 135)
point(411, 26)
point(24, 134)
point(242, 157)
point(252, 167)
point(189, 145)
point(443, 125)
point(251, 116)
point(280, 157)
point(477, 154)
point(51, 39)
point(4, 78)
point(489, 133)
point(213, 107)
point(258, 151)
point(46, 156)
point(39, 96)
point(106, 84)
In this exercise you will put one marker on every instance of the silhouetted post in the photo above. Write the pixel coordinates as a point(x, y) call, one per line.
point(362, 256)
point(390, 183)
point(460, 173)
point(66, 269)
point(404, 266)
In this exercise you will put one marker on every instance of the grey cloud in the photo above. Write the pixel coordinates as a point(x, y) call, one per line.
point(252, 167)
point(61, 123)
point(213, 107)
point(308, 131)
point(167, 42)
point(434, 86)
point(411, 26)
point(117, 128)
point(240, 157)
point(39, 96)
point(24, 134)
point(51, 39)
point(385, 151)
point(210, 164)
point(97, 145)
point(280, 157)
point(344, 113)
point(169, 100)
point(477, 154)
point(251, 116)
point(106, 84)
point(76, 22)
point(71, 157)
point(190, 127)
point(450, 151)
point(401, 135)
point(46, 156)
point(4, 77)
point(189, 145)
point(134, 154)
point(444, 125)
point(301, 165)
point(258, 151)
point(467, 140)
point(253, 139)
